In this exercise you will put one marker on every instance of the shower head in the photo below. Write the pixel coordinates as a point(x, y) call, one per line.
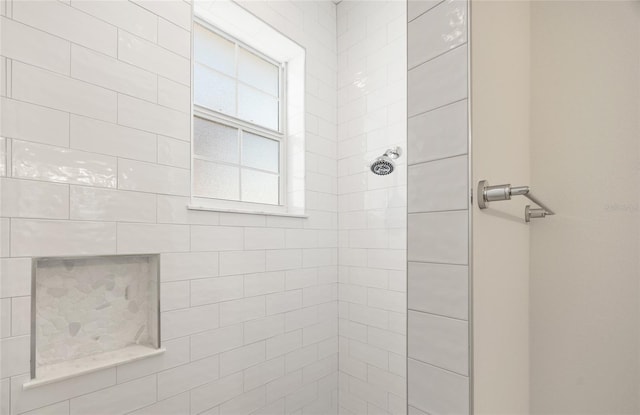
point(384, 164)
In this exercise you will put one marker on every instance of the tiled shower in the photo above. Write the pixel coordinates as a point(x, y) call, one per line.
point(261, 312)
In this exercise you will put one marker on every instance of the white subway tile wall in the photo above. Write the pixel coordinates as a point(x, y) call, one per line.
point(438, 203)
point(372, 73)
point(95, 159)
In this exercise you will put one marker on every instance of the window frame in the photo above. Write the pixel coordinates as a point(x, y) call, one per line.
point(241, 125)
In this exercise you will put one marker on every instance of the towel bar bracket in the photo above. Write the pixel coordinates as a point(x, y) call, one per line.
point(487, 193)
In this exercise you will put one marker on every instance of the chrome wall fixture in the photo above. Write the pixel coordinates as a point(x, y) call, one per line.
point(488, 194)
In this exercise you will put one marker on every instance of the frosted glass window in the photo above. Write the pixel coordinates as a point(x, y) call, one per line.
point(257, 107)
point(259, 187)
point(214, 90)
point(215, 141)
point(258, 72)
point(215, 180)
point(260, 152)
point(214, 51)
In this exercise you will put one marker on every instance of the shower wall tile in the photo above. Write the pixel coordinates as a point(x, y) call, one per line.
point(96, 149)
point(39, 86)
point(30, 122)
point(57, 164)
point(31, 199)
point(97, 136)
point(35, 47)
point(438, 199)
point(68, 23)
point(62, 238)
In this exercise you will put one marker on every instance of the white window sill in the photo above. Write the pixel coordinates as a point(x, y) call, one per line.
point(72, 368)
point(247, 212)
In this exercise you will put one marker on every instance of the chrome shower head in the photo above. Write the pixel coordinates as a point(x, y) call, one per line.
point(384, 164)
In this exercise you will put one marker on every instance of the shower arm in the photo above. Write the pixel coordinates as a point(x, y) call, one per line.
point(488, 194)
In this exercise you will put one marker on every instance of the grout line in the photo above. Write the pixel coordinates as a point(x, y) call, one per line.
point(435, 108)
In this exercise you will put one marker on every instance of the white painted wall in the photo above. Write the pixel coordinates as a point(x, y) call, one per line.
point(585, 107)
point(372, 209)
point(95, 160)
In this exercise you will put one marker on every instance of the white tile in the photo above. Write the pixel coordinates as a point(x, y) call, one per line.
point(123, 14)
point(144, 115)
point(369, 354)
point(174, 152)
point(96, 68)
point(119, 399)
point(216, 341)
point(174, 38)
point(242, 262)
point(149, 56)
point(263, 283)
point(437, 391)
point(215, 290)
point(92, 203)
point(237, 311)
point(263, 373)
point(283, 344)
point(60, 408)
point(439, 185)
point(284, 385)
point(174, 295)
point(283, 259)
point(176, 354)
point(39, 86)
point(5, 317)
point(417, 7)
point(174, 11)
point(318, 332)
point(32, 46)
point(216, 238)
point(141, 238)
point(15, 277)
point(20, 316)
point(173, 209)
point(43, 162)
point(387, 300)
point(186, 377)
point(283, 302)
point(175, 405)
point(68, 23)
point(3, 155)
point(34, 123)
point(263, 238)
point(31, 199)
point(23, 400)
point(178, 323)
point(214, 393)
point(14, 355)
point(263, 328)
point(246, 403)
point(442, 28)
point(107, 138)
point(440, 341)
point(387, 340)
point(188, 265)
point(174, 95)
point(439, 289)
point(153, 178)
point(441, 237)
point(438, 82)
point(241, 358)
point(5, 237)
point(438, 134)
point(319, 294)
point(51, 238)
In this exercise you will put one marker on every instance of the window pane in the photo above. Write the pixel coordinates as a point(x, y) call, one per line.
point(213, 50)
point(260, 187)
point(257, 72)
point(260, 152)
point(215, 141)
point(213, 90)
point(257, 107)
point(215, 180)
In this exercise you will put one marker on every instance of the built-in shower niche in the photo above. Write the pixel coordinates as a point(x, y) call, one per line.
point(89, 313)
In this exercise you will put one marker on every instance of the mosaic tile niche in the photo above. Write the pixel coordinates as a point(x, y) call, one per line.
point(93, 312)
